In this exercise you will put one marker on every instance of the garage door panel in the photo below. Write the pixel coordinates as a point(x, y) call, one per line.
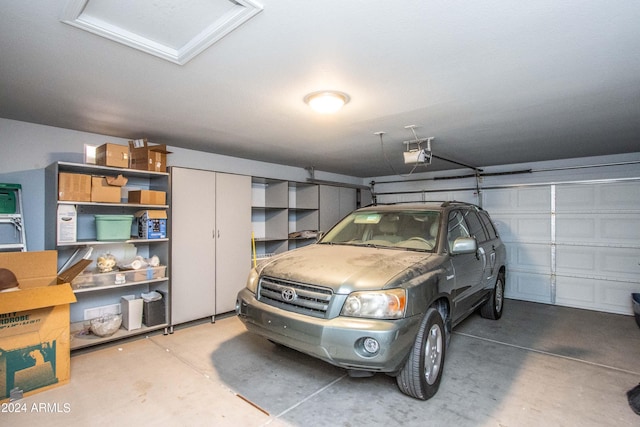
point(614, 263)
point(529, 257)
point(598, 196)
point(623, 228)
point(595, 294)
point(460, 196)
point(570, 229)
point(518, 199)
point(600, 228)
point(523, 228)
point(528, 286)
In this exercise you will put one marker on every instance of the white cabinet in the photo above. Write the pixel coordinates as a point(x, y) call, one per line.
point(233, 237)
point(211, 231)
point(193, 248)
point(100, 293)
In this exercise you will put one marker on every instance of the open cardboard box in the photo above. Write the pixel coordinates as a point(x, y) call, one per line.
point(107, 189)
point(34, 326)
point(147, 157)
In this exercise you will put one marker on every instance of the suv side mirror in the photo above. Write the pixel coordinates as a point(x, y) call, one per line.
point(464, 245)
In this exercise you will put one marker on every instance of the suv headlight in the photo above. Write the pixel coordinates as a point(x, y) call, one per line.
point(252, 281)
point(386, 304)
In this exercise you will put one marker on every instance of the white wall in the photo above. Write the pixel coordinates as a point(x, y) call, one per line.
point(26, 146)
point(26, 149)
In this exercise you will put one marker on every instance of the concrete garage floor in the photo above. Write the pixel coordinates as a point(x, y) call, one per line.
point(538, 365)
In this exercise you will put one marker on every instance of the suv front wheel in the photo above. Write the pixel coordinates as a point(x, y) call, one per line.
point(421, 374)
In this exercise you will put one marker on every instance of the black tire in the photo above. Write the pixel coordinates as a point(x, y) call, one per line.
point(492, 309)
point(421, 374)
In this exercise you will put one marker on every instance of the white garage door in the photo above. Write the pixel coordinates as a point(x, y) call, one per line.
point(575, 245)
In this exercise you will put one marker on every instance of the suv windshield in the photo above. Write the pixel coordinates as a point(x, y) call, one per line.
point(415, 230)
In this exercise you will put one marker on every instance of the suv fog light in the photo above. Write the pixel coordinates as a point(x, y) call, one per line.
point(371, 345)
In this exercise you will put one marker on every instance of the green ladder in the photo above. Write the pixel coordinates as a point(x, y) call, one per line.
point(13, 236)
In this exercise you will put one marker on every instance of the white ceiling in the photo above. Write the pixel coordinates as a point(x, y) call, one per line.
point(495, 81)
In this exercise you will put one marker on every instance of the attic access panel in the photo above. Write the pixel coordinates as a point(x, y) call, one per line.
point(175, 31)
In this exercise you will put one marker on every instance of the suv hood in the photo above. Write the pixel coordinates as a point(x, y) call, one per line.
point(342, 268)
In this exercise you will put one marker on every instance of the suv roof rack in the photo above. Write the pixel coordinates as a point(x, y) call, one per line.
point(443, 204)
point(406, 202)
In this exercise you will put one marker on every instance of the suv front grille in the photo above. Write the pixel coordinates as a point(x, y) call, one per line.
point(297, 297)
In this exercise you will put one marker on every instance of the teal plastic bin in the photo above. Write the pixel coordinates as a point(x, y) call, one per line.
point(8, 198)
point(113, 227)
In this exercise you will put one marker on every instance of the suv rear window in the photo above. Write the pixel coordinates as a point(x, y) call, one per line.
point(488, 225)
point(475, 227)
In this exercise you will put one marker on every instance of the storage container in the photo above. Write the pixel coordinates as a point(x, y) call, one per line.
point(91, 280)
point(153, 312)
point(131, 312)
point(113, 227)
point(8, 198)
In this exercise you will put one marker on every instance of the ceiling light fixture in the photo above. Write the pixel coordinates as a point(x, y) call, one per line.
point(326, 101)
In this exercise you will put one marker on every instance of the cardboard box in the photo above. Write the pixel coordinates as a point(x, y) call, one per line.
point(105, 189)
point(147, 157)
point(34, 326)
point(75, 187)
point(147, 197)
point(131, 308)
point(152, 224)
point(113, 155)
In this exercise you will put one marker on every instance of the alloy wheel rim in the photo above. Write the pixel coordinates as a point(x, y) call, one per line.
point(499, 296)
point(433, 354)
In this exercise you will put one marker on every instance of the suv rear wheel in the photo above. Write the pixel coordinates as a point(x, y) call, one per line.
point(492, 309)
point(421, 374)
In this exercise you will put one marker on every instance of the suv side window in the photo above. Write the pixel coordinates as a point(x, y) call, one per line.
point(488, 224)
point(457, 227)
point(475, 227)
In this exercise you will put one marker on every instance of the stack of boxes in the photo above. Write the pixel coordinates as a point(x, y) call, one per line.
point(78, 187)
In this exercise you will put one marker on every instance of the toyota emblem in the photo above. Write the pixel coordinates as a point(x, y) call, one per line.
point(289, 294)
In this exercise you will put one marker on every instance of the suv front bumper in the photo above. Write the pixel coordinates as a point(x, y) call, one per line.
point(338, 341)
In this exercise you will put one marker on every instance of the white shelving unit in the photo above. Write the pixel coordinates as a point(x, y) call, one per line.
point(282, 207)
point(303, 212)
point(104, 292)
point(270, 215)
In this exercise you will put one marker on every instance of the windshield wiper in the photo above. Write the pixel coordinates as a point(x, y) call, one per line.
point(370, 245)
